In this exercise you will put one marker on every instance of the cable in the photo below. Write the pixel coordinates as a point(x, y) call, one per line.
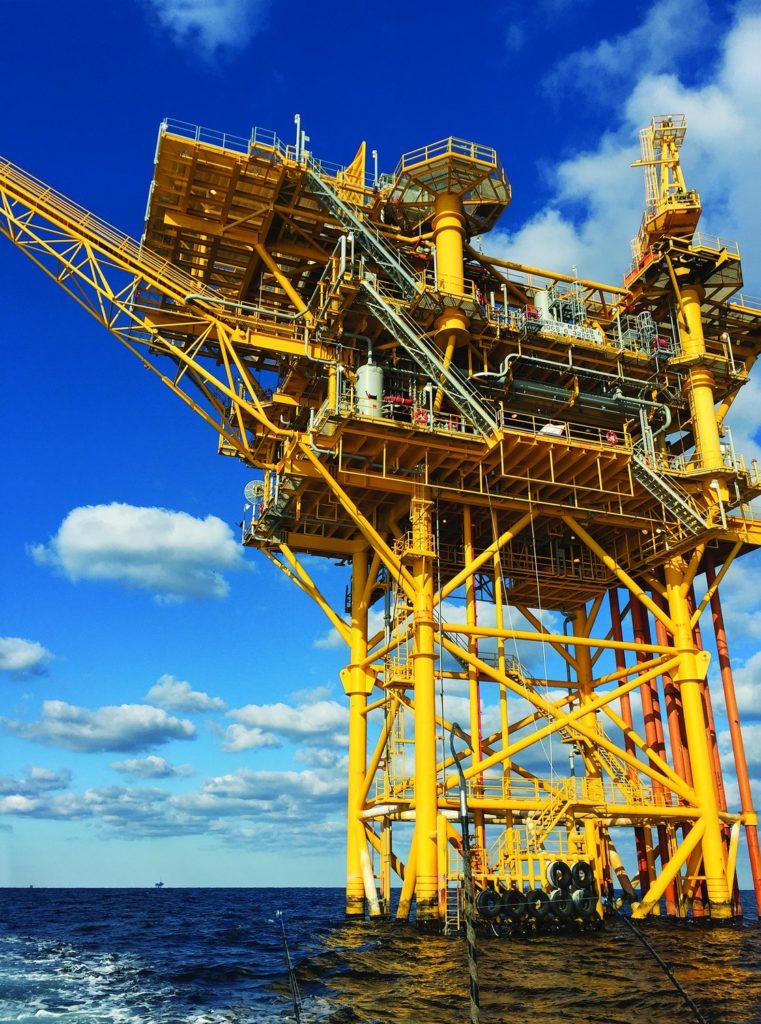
point(551, 757)
point(470, 910)
point(661, 963)
point(441, 639)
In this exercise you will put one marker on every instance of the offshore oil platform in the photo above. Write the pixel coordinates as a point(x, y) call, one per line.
point(522, 468)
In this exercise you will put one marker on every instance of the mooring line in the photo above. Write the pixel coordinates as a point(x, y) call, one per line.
point(661, 963)
point(470, 909)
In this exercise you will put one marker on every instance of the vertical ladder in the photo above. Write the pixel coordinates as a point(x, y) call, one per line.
point(453, 916)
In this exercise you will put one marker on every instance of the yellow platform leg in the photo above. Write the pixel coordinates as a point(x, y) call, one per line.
point(356, 685)
point(690, 675)
point(428, 905)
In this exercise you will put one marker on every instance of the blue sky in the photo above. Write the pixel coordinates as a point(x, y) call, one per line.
point(123, 582)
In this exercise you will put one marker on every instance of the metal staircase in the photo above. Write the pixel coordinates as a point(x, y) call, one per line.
point(629, 788)
point(463, 395)
point(276, 509)
point(618, 772)
point(673, 497)
point(540, 824)
point(369, 240)
point(620, 775)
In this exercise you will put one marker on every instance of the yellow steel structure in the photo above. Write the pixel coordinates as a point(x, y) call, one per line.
point(522, 468)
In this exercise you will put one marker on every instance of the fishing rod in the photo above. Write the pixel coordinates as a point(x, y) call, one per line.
point(661, 963)
point(292, 979)
point(470, 910)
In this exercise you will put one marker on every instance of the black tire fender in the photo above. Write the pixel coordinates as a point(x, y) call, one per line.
point(489, 903)
point(584, 903)
point(513, 904)
point(537, 903)
point(561, 904)
point(559, 874)
point(582, 875)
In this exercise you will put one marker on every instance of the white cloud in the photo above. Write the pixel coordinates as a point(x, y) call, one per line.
point(274, 808)
point(650, 47)
point(741, 602)
point(329, 641)
point(171, 554)
point(21, 658)
point(311, 694)
point(332, 640)
point(151, 767)
point(257, 725)
point(37, 781)
point(240, 737)
point(322, 757)
point(128, 727)
point(178, 695)
point(596, 201)
point(210, 25)
point(751, 743)
point(747, 679)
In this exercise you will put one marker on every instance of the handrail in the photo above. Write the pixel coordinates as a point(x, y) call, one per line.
point(133, 256)
point(460, 147)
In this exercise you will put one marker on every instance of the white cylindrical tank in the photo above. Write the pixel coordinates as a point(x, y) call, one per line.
point(542, 303)
point(370, 390)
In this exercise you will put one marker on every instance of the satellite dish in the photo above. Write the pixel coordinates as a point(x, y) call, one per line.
point(253, 490)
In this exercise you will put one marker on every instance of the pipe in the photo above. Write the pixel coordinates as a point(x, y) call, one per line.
point(616, 397)
point(733, 720)
point(617, 394)
point(362, 337)
point(501, 374)
point(651, 711)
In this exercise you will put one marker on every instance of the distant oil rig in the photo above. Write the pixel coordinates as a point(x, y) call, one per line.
point(540, 447)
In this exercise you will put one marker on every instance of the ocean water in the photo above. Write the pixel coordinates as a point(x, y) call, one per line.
point(216, 956)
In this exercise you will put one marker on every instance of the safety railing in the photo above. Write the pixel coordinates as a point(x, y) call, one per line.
point(524, 424)
point(686, 465)
point(563, 430)
point(678, 199)
point(746, 301)
point(261, 137)
point(447, 147)
point(702, 240)
point(64, 213)
point(441, 283)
